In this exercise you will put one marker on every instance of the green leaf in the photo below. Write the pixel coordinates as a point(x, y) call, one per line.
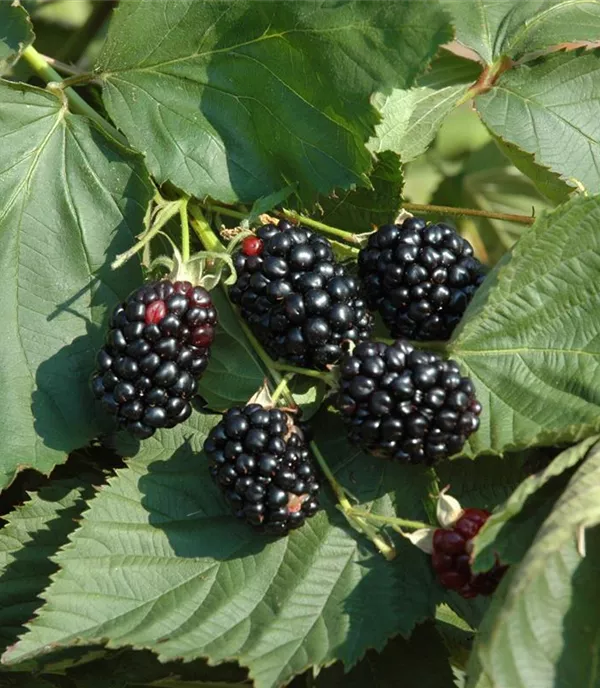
point(71, 201)
point(548, 183)
point(411, 118)
point(529, 339)
point(237, 100)
point(549, 110)
point(16, 33)
point(234, 373)
point(503, 523)
point(160, 563)
point(448, 69)
point(505, 27)
point(543, 627)
point(361, 209)
point(33, 533)
point(420, 661)
point(535, 25)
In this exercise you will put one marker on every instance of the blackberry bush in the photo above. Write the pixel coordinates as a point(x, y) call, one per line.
point(156, 349)
point(420, 277)
point(452, 553)
point(298, 301)
point(406, 404)
point(260, 460)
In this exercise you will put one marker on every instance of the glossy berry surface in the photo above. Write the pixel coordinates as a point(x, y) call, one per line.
point(406, 404)
point(298, 301)
point(420, 278)
point(260, 461)
point(451, 557)
point(156, 349)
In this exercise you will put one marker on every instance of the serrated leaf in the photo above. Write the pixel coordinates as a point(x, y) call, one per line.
point(530, 339)
point(15, 33)
point(411, 117)
point(236, 100)
point(489, 540)
point(33, 533)
point(549, 109)
point(71, 200)
point(548, 183)
point(505, 27)
point(543, 625)
point(159, 562)
point(362, 209)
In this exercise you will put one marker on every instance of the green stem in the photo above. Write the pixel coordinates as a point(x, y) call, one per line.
point(436, 346)
point(282, 388)
point(325, 229)
point(77, 104)
point(185, 230)
point(390, 520)
point(291, 215)
point(78, 80)
point(449, 210)
point(199, 224)
point(62, 67)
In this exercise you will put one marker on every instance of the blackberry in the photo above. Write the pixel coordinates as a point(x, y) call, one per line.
point(406, 404)
point(451, 557)
point(156, 349)
point(419, 277)
point(298, 301)
point(261, 462)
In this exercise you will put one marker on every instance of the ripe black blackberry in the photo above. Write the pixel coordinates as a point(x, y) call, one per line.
point(156, 348)
point(451, 557)
point(300, 304)
point(419, 277)
point(260, 460)
point(406, 404)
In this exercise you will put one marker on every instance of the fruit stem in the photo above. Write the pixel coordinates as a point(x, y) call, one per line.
point(185, 229)
point(291, 215)
point(204, 231)
point(282, 388)
point(390, 520)
point(320, 226)
point(77, 104)
point(437, 346)
point(449, 210)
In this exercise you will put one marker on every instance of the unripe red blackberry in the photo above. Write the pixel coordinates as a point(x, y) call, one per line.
point(406, 404)
point(419, 277)
point(156, 349)
point(260, 460)
point(451, 557)
point(298, 301)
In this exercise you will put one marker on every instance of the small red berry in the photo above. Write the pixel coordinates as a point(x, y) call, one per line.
point(200, 298)
point(471, 522)
point(182, 287)
point(252, 246)
point(448, 542)
point(454, 580)
point(203, 336)
point(155, 312)
point(441, 562)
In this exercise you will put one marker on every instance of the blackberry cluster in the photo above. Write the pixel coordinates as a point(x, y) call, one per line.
point(260, 460)
point(451, 557)
point(419, 277)
point(406, 404)
point(300, 304)
point(156, 348)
